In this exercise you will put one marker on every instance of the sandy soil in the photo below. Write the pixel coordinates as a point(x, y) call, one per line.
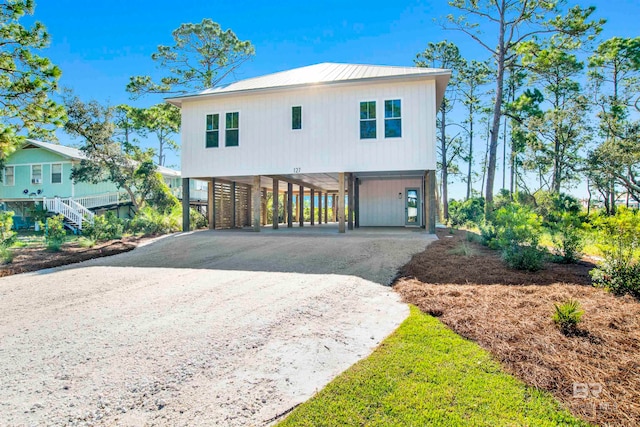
point(202, 329)
point(509, 313)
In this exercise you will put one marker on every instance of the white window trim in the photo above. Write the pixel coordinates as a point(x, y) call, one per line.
point(41, 173)
point(376, 119)
point(225, 128)
point(4, 176)
point(220, 115)
point(61, 173)
point(301, 117)
point(401, 137)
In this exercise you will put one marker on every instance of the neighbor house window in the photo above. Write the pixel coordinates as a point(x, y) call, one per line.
point(213, 130)
point(296, 117)
point(232, 130)
point(368, 120)
point(56, 173)
point(8, 177)
point(36, 174)
point(392, 119)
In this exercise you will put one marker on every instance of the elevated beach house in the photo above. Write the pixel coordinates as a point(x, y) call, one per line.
point(40, 172)
point(331, 133)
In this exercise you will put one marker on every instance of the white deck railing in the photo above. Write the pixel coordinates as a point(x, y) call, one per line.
point(87, 215)
point(58, 206)
point(104, 199)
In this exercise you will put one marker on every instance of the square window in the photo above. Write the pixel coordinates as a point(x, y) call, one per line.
point(296, 117)
point(56, 173)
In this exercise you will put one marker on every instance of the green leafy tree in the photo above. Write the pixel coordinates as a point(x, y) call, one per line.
point(122, 162)
point(202, 55)
point(26, 80)
point(444, 55)
point(615, 76)
point(514, 22)
point(163, 121)
point(560, 130)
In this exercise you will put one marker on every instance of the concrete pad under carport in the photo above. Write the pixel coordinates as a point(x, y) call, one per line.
point(203, 328)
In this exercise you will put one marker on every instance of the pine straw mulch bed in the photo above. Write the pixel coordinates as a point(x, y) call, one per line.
point(509, 313)
point(38, 258)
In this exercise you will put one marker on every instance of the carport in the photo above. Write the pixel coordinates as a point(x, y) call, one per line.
point(241, 201)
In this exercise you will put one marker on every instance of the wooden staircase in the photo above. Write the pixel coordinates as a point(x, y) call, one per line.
point(76, 211)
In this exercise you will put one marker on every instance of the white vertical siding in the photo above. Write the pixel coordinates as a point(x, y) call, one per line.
point(330, 137)
point(380, 204)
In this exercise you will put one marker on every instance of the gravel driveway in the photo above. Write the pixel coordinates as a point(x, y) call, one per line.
point(207, 328)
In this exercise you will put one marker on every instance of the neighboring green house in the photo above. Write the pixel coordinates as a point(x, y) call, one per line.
point(41, 172)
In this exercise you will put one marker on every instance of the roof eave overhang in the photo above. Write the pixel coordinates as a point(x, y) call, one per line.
point(37, 144)
point(441, 78)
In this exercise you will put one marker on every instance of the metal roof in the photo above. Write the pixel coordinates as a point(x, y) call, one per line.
point(319, 74)
point(75, 154)
point(69, 152)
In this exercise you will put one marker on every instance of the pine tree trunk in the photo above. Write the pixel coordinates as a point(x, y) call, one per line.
point(495, 129)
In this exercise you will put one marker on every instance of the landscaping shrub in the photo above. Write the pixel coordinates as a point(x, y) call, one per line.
point(515, 225)
point(150, 221)
point(7, 235)
point(516, 230)
point(619, 242)
point(6, 254)
point(488, 234)
point(104, 227)
point(617, 278)
point(567, 237)
point(527, 258)
point(567, 316)
point(468, 212)
point(86, 242)
point(464, 249)
point(196, 219)
point(54, 234)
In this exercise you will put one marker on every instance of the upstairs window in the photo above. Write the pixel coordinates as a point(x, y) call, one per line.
point(213, 130)
point(368, 120)
point(56, 173)
point(36, 174)
point(296, 117)
point(232, 137)
point(9, 174)
point(392, 119)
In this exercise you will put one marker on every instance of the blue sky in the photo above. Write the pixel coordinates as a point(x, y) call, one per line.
point(99, 45)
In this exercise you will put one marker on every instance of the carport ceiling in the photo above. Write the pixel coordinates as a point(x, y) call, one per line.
point(319, 181)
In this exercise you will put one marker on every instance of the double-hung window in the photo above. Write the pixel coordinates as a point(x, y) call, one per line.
point(56, 173)
point(9, 176)
point(213, 131)
point(232, 129)
point(368, 120)
point(36, 174)
point(296, 117)
point(392, 119)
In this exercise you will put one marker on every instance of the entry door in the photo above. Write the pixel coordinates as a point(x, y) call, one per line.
point(412, 205)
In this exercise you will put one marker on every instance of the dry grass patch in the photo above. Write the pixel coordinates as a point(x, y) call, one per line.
point(515, 324)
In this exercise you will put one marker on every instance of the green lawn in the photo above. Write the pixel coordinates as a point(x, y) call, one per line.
point(426, 375)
